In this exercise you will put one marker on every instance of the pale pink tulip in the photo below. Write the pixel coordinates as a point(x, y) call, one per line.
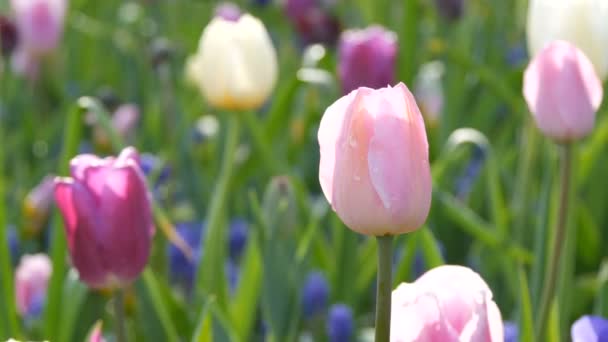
point(374, 167)
point(447, 304)
point(563, 92)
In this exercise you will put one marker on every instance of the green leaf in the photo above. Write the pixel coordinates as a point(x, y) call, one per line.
point(404, 268)
point(526, 319)
point(159, 304)
point(77, 292)
point(58, 248)
point(430, 249)
point(243, 308)
point(368, 265)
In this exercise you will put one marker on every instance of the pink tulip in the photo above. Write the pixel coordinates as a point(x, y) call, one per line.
point(447, 304)
point(374, 167)
point(107, 214)
point(31, 281)
point(563, 91)
point(39, 24)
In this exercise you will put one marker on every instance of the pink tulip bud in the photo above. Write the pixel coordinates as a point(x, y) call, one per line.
point(447, 304)
point(367, 58)
point(563, 91)
point(39, 24)
point(108, 220)
point(31, 281)
point(374, 167)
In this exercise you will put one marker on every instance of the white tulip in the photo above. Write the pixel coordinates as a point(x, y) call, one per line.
point(583, 23)
point(235, 66)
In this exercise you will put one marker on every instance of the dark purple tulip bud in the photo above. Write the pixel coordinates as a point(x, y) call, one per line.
point(315, 294)
point(590, 329)
point(367, 58)
point(228, 10)
point(511, 332)
point(8, 36)
point(317, 26)
point(296, 8)
point(181, 269)
point(450, 9)
point(340, 323)
point(237, 238)
point(107, 214)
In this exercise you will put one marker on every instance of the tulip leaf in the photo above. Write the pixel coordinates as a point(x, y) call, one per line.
point(77, 292)
point(526, 319)
point(347, 266)
point(159, 304)
point(58, 248)
point(430, 248)
point(244, 305)
point(368, 265)
point(404, 267)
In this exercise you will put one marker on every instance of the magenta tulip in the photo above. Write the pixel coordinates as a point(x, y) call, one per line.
point(367, 58)
point(447, 304)
point(108, 220)
point(563, 92)
point(374, 167)
point(31, 281)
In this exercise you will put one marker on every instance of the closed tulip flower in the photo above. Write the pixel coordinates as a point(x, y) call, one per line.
point(374, 167)
point(581, 22)
point(235, 67)
point(367, 58)
point(108, 219)
point(39, 24)
point(563, 92)
point(31, 281)
point(447, 304)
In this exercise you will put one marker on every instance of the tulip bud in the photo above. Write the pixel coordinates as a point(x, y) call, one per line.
point(315, 294)
point(37, 204)
point(124, 121)
point(108, 218)
point(374, 168)
point(563, 92)
point(580, 22)
point(235, 67)
point(589, 329)
point(340, 323)
point(96, 333)
point(39, 23)
point(8, 36)
point(31, 281)
point(367, 58)
point(448, 303)
point(228, 10)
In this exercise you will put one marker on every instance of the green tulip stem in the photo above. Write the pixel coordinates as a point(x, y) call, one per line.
point(383, 289)
point(550, 282)
point(119, 315)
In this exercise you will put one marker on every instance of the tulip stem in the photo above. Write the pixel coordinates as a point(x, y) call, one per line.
point(119, 315)
point(383, 289)
point(549, 285)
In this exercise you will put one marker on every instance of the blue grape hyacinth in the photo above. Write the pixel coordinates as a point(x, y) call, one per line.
point(340, 323)
point(315, 294)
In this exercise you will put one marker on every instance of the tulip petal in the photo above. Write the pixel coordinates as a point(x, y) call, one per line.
point(417, 317)
point(83, 241)
point(65, 202)
point(330, 129)
point(399, 166)
point(126, 209)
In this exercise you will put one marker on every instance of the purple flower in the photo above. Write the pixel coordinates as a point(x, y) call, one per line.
point(315, 294)
point(340, 323)
point(367, 58)
point(8, 36)
point(313, 23)
point(228, 11)
point(153, 166)
point(13, 243)
point(181, 269)
point(511, 331)
point(232, 273)
point(450, 9)
point(237, 238)
point(31, 281)
point(590, 329)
